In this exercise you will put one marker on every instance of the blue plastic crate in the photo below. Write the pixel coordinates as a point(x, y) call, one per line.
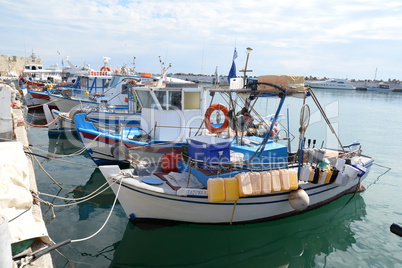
point(209, 149)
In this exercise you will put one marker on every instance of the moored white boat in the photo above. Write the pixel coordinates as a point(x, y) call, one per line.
point(168, 117)
point(242, 178)
point(141, 200)
point(381, 87)
point(101, 116)
point(332, 84)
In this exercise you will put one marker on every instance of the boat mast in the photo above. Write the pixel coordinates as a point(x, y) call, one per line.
point(248, 51)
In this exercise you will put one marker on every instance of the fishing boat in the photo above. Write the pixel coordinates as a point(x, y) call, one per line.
point(36, 73)
point(100, 115)
point(105, 114)
point(229, 173)
point(36, 97)
point(71, 78)
point(61, 122)
point(381, 87)
point(112, 86)
point(332, 84)
point(168, 117)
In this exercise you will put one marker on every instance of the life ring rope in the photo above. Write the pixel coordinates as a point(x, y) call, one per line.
point(207, 119)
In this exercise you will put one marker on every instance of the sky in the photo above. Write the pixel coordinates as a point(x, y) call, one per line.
point(355, 39)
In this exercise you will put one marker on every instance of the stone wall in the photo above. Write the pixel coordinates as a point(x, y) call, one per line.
point(15, 64)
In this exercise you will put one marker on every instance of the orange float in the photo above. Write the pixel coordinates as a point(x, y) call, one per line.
point(146, 74)
point(208, 113)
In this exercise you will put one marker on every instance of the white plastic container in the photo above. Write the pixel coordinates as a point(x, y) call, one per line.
point(244, 184)
point(236, 83)
point(276, 181)
point(255, 180)
point(351, 172)
point(266, 184)
point(236, 159)
point(284, 176)
point(304, 173)
point(340, 164)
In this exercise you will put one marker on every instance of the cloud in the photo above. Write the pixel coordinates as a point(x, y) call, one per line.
point(307, 37)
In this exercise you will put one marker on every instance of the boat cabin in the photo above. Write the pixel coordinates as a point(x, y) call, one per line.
point(171, 114)
point(35, 72)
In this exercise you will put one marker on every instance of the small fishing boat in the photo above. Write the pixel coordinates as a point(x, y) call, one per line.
point(236, 171)
point(168, 117)
point(59, 122)
point(101, 115)
point(381, 87)
point(114, 94)
point(115, 116)
point(111, 87)
point(73, 79)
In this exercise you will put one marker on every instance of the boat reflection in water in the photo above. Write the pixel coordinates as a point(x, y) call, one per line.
point(103, 200)
point(63, 144)
point(294, 241)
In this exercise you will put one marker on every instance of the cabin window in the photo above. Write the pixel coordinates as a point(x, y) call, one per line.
point(161, 96)
point(146, 99)
point(174, 100)
point(124, 89)
point(192, 100)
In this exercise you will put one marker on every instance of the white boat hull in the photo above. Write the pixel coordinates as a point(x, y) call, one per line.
point(65, 104)
point(142, 201)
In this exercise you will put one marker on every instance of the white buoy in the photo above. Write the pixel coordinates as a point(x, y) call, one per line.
point(299, 199)
point(5, 246)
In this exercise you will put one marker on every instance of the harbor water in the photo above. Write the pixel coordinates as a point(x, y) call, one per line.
point(353, 231)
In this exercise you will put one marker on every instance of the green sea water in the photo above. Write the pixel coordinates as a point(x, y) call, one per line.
point(353, 231)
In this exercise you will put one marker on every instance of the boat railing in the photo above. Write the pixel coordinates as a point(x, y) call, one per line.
point(243, 165)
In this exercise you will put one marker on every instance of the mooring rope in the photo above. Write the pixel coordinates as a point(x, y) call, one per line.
point(80, 199)
point(80, 151)
point(44, 170)
point(108, 217)
point(46, 125)
point(382, 174)
point(36, 116)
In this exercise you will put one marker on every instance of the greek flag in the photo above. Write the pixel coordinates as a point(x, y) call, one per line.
point(232, 72)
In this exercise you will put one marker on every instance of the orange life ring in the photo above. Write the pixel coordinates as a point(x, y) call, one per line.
point(208, 113)
point(105, 69)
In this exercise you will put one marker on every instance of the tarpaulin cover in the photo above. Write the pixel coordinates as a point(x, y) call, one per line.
point(291, 83)
point(16, 201)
